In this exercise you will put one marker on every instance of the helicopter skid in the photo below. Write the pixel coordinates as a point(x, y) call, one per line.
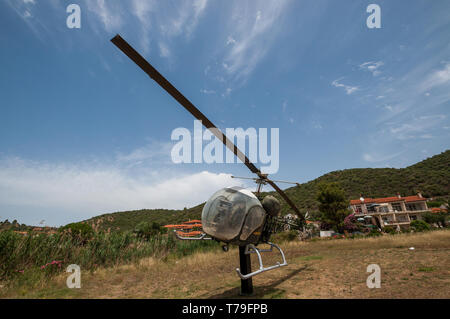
point(251, 249)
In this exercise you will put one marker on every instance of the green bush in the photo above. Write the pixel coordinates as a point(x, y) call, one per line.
point(285, 236)
point(436, 218)
point(373, 233)
point(146, 230)
point(420, 225)
point(390, 230)
point(79, 231)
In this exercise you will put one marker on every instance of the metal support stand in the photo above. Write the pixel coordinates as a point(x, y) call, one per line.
point(251, 249)
point(246, 268)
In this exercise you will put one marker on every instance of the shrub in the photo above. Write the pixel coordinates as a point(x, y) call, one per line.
point(374, 233)
point(80, 231)
point(285, 236)
point(420, 225)
point(350, 223)
point(436, 218)
point(146, 230)
point(389, 230)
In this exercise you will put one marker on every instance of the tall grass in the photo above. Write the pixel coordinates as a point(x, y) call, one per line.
point(19, 254)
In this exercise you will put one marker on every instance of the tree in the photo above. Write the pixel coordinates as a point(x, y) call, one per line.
point(333, 206)
point(436, 218)
point(145, 230)
point(419, 225)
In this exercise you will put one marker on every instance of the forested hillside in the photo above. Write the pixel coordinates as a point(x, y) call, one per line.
point(431, 177)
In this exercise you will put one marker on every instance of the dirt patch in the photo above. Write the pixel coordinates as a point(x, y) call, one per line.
point(322, 269)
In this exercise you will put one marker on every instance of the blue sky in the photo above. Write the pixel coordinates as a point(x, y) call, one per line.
point(83, 131)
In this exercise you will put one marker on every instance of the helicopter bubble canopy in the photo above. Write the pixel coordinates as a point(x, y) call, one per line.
point(233, 215)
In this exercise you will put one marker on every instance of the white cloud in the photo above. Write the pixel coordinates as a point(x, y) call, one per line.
point(416, 127)
point(205, 91)
point(254, 28)
point(155, 151)
point(163, 21)
point(437, 78)
point(183, 19)
point(372, 67)
point(378, 157)
point(25, 9)
point(164, 50)
point(81, 191)
point(349, 89)
point(109, 15)
point(227, 92)
point(142, 9)
point(230, 40)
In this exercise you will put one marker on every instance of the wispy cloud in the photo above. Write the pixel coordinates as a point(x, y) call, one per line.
point(348, 88)
point(205, 91)
point(154, 151)
point(158, 21)
point(25, 10)
point(109, 14)
point(437, 78)
point(164, 50)
point(251, 32)
point(372, 67)
point(375, 157)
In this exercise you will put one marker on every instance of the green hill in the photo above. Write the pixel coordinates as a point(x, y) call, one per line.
point(431, 177)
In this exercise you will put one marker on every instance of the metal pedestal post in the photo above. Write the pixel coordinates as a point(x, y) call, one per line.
point(246, 268)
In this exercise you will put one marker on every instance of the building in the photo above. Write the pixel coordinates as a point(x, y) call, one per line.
point(394, 211)
point(190, 228)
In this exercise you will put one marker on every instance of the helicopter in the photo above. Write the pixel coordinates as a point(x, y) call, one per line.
point(232, 215)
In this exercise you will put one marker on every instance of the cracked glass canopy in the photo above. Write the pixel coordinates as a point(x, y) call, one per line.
point(232, 214)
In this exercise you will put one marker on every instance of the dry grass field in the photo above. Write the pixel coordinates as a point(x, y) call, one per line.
point(318, 269)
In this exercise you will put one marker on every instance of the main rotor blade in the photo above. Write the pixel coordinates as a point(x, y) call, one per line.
point(169, 88)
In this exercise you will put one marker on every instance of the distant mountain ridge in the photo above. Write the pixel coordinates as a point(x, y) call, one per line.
point(431, 177)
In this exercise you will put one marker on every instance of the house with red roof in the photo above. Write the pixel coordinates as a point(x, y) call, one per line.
point(190, 228)
point(396, 211)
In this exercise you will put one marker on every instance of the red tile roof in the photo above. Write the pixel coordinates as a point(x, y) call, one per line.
point(438, 210)
point(195, 221)
point(406, 199)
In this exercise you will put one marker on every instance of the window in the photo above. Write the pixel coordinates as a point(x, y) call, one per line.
point(397, 207)
point(370, 208)
point(358, 209)
point(383, 209)
point(413, 207)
